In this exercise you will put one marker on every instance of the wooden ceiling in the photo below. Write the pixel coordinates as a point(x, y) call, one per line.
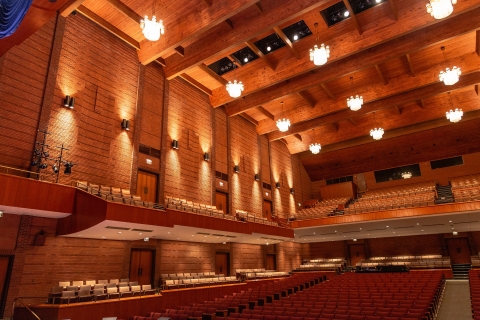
point(392, 51)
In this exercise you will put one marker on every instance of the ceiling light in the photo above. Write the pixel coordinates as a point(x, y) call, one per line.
point(235, 89)
point(377, 133)
point(152, 28)
point(455, 233)
point(284, 123)
point(356, 103)
point(319, 55)
point(406, 175)
point(454, 115)
point(346, 13)
point(378, 1)
point(295, 37)
point(354, 239)
point(449, 76)
point(269, 48)
point(440, 9)
point(315, 148)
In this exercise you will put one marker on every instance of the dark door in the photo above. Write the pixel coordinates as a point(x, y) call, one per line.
point(458, 250)
point(267, 209)
point(147, 186)
point(141, 266)
point(357, 253)
point(222, 263)
point(221, 201)
point(271, 263)
point(5, 271)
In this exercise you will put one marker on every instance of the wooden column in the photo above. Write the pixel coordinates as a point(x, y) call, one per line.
point(136, 128)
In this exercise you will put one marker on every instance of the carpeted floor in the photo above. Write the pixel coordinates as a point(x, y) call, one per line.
point(456, 301)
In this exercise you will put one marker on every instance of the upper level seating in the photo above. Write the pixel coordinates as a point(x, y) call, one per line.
point(193, 207)
point(320, 208)
point(401, 191)
point(466, 188)
point(115, 194)
point(194, 279)
point(413, 262)
point(322, 264)
point(250, 217)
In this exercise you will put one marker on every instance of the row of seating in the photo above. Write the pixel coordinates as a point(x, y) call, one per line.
point(400, 191)
point(250, 217)
point(189, 275)
point(78, 283)
point(465, 181)
point(400, 202)
point(265, 274)
point(193, 283)
point(193, 207)
point(342, 260)
point(413, 262)
point(320, 266)
point(466, 194)
point(85, 293)
point(320, 208)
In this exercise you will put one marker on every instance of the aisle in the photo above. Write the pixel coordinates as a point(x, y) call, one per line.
point(456, 301)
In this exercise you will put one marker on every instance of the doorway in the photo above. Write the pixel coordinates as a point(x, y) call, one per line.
point(6, 263)
point(221, 201)
point(271, 262)
point(267, 209)
point(357, 253)
point(222, 263)
point(458, 250)
point(142, 265)
point(147, 186)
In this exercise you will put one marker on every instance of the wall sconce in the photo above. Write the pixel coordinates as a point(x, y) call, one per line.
point(149, 161)
point(257, 177)
point(277, 185)
point(292, 191)
point(175, 144)
point(126, 124)
point(206, 156)
point(236, 169)
point(69, 102)
point(1, 214)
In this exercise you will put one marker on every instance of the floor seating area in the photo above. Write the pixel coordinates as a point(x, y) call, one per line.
point(334, 264)
point(250, 217)
point(466, 188)
point(114, 194)
point(474, 279)
point(93, 290)
point(193, 280)
point(320, 209)
point(263, 293)
point(412, 262)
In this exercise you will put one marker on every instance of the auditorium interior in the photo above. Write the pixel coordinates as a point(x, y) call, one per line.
point(286, 160)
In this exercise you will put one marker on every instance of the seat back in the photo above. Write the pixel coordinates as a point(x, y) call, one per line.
point(72, 288)
point(98, 286)
point(113, 281)
point(64, 284)
point(84, 293)
point(89, 282)
point(83, 288)
point(67, 294)
point(112, 290)
point(135, 288)
point(146, 287)
point(97, 292)
point(102, 281)
point(123, 289)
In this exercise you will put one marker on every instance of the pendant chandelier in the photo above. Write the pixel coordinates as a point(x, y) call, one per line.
point(449, 77)
point(315, 148)
point(356, 103)
point(376, 133)
point(152, 29)
point(454, 115)
point(406, 175)
point(235, 88)
point(284, 123)
point(319, 55)
point(440, 9)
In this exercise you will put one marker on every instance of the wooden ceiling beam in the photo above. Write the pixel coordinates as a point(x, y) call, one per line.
point(353, 16)
point(229, 22)
point(335, 126)
point(285, 39)
point(352, 122)
point(208, 2)
point(160, 61)
point(477, 89)
point(380, 104)
point(394, 48)
point(394, 10)
point(69, 7)
point(381, 74)
point(327, 90)
point(393, 133)
point(213, 75)
point(266, 113)
point(410, 66)
point(259, 53)
point(421, 103)
point(259, 7)
point(284, 141)
point(477, 42)
point(298, 136)
point(108, 26)
point(180, 51)
point(125, 10)
point(250, 119)
point(196, 84)
point(188, 27)
point(307, 98)
point(399, 110)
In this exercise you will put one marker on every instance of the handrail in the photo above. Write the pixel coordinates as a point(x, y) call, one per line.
point(39, 175)
point(18, 299)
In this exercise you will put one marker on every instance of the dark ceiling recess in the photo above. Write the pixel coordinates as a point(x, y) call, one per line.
point(335, 14)
point(244, 56)
point(269, 44)
point(362, 5)
point(222, 66)
point(297, 31)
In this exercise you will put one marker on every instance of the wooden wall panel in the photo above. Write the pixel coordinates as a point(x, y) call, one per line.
point(288, 256)
point(9, 226)
point(281, 168)
point(345, 189)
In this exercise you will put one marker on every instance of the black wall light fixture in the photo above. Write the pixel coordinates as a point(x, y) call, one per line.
point(175, 144)
point(125, 124)
point(257, 177)
point(236, 169)
point(206, 156)
point(69, 102)
point(277, 185)
point(292, 191)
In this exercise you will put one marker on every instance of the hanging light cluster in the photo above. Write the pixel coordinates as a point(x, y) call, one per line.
point(151, 28)
point(235, 88)
point(284, 123)
point(449, 76)
point(319, 55)
point(440, 9)
point(377, 133)
point(315, 148)
point(454, 115)
point(356, 103)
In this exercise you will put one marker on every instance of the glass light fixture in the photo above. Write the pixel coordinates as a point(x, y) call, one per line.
point(440, 9)
point(284, 123)
point(377, 133)
point(151, 28)
point(406, 175)
point(315, 148)
point(319, 55)
point(356, 103)
point(449, 76)
point(454, 115)
point(235, 88)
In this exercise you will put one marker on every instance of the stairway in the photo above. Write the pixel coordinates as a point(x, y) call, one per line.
point(445, 195)
point(460, 271)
